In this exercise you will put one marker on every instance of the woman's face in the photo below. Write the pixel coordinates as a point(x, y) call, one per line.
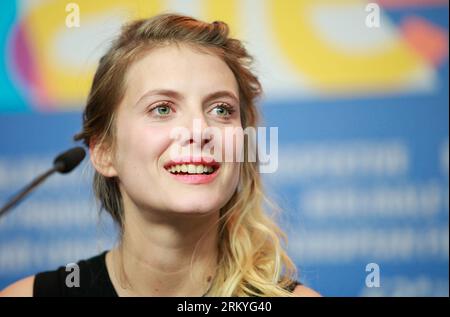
point(166, 90)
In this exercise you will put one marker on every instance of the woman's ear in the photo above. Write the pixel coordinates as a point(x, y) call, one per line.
point(102, 158)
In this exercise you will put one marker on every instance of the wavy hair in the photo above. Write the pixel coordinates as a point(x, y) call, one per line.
point(252, 260)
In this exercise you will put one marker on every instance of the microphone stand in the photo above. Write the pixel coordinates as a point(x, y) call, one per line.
point(18, 197)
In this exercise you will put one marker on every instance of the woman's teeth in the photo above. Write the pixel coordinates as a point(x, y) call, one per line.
point(190, 169)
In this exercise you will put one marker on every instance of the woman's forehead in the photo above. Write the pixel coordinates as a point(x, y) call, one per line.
point(181, 68)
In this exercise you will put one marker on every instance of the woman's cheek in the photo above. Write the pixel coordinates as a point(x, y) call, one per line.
point(156, 141)
point(141, 145)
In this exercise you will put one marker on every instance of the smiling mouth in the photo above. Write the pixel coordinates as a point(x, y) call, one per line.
point(192, 169)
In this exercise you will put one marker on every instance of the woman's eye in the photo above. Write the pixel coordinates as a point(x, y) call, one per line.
point(222, 110)
point(161, 110)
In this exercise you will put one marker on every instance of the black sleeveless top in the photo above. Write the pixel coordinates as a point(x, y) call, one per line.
point(94, 281)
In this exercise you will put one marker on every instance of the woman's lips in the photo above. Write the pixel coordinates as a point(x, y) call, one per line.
point(195, 178)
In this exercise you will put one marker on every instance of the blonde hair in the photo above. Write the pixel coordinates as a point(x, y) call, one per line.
point(252, 261)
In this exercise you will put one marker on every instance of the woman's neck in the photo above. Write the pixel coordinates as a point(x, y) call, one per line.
point(165, 254)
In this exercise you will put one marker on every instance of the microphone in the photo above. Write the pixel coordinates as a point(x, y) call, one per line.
point(67, 161)
point(63, 163)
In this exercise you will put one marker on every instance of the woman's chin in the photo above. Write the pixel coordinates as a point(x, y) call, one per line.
point(190, 206)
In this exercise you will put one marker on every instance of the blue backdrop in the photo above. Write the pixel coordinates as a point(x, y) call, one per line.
point(362, 178)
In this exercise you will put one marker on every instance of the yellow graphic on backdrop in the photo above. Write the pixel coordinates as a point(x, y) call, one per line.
point(329, 68)
point(67, 86)
point(324, 66)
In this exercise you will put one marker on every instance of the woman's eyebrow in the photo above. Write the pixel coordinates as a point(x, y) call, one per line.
point(221, 94)
point(166, 92)
point(176, 95)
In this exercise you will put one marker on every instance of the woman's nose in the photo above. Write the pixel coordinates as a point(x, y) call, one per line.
point(197, 127)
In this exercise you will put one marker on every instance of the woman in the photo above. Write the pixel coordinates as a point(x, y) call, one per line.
point(187, 227)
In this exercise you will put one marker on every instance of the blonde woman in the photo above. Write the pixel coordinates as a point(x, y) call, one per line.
point(189, 226)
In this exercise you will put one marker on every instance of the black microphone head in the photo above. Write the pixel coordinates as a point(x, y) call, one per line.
point(67, 161)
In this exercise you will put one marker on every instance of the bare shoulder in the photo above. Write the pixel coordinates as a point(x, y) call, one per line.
point(21, 288)
point(303, 291)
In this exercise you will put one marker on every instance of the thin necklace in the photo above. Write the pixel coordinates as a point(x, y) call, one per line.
point(116, 277)
point(207, 291)
point(210, 281)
